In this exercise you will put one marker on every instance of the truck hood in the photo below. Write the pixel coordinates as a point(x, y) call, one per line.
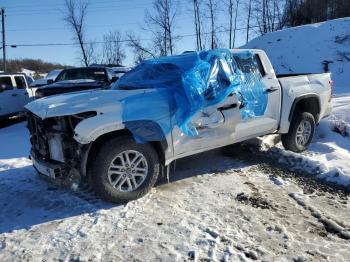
point(74, 103)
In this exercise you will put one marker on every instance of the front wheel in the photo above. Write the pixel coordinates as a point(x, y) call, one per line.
point(300, 133)
point(124, 170)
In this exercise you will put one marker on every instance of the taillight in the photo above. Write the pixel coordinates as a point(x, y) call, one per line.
point(331, 84)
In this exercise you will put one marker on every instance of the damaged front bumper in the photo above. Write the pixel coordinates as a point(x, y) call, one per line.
point(55, 154)
point(49, 169)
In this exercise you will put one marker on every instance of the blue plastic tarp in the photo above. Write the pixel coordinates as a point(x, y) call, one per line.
point(185, 84)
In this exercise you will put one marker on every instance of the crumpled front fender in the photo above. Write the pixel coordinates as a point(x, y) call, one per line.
point(90, 129)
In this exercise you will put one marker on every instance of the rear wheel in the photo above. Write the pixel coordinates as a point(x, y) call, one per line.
point(300, 133)
point(124, 170)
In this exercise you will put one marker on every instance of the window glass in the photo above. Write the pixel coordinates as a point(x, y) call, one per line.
point(53, 74)
point(97, 74)
point(260, 65)
point(29, 80)
point(20, 82)
point(246, 65)
point(250, 65)
point(6, 83)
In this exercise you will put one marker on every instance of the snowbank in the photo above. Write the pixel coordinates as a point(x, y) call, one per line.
point(303, 49)
point(14, 147)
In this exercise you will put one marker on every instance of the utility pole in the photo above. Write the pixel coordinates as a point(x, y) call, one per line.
point(3, 38)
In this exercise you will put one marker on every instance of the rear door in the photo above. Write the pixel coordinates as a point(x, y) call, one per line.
point(8, 96)
point(273, 88)
point(265, 79)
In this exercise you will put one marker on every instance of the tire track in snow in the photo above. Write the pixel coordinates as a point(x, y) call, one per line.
point(330, 225)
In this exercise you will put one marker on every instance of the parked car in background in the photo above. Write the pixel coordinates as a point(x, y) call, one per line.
point(120, 70)
point(15, 93)
point(43, 81)
point(78, 79)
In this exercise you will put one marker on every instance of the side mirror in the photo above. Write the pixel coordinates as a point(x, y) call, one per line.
point(49, 81)
point(114, 79)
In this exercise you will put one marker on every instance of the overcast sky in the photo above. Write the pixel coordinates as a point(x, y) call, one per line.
point(40, 22)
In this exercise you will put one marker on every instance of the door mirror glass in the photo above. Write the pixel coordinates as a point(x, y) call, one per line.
point(49, 81)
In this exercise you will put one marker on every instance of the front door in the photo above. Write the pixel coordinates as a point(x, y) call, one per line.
point(215, 126)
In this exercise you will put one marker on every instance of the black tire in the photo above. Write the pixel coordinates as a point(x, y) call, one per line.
point(289, 140)
point(106, 154)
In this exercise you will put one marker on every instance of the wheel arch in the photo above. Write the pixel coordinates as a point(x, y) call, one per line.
point(159, 146)
point(307, 103)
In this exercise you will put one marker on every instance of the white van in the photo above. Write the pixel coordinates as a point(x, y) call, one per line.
point(15, 93)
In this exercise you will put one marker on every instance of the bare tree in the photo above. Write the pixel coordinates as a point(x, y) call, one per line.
point(161, 22)
point(198, 24)
point(141, 52)
point(92, 53)
point(300, 12)
point(113, 49)
point(75, 18)
point(232, 9)
point(229, 5)
point(268, 15)
point(248, 19)
point(235, 25)
point(212, 6)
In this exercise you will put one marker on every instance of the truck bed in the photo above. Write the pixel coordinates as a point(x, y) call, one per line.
point(305, 85)
point(289, 75)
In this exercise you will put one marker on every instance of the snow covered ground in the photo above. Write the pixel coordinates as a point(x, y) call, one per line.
point(220, 205)
point(328, 157)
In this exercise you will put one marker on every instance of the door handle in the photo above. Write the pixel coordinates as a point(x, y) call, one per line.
point(272, 89)
point(227, 107)
point(14, 94)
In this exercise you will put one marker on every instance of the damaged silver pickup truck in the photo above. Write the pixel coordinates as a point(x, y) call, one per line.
point(169, 108)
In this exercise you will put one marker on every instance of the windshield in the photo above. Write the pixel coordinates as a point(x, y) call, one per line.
point(149, 75)
point(53, 74)
point(165, 72)
point(97, 74)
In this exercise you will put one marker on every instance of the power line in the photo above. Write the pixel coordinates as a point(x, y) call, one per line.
point(121, 41)
point(92, 8)
point(65, 28)
point(62, 5)
point(95, 10)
